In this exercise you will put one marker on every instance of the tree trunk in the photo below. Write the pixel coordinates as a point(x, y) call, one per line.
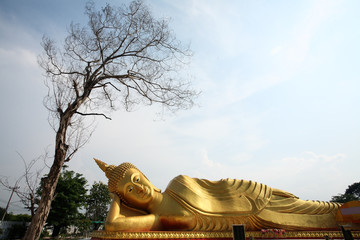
point(56, 231)
point(32, 204)
point(48, 188)
point(39, 219)
point(48, 185)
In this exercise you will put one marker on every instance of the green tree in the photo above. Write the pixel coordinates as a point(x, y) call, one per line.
point(83, 224)
point(2, 211)
point(70, 196)
point(123, 56)
point(19, 217)
point(17, 231)
point(354, 189)
point(352, 193)
point(98, 202)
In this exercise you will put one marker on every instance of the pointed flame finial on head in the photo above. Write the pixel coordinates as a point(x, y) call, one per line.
point(101, 164)
point(107, 169)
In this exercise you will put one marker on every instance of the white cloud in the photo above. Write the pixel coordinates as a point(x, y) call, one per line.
point(209, 169)
point(224, 34)
point(309, 175)
point(242, 157)
point(208, 128)
point(254, 141)
point(315, 176)
point(323, 158)
point(228, 40)
point(310, 161)
point(22, 56)
point(302, 34)
point(207, 162)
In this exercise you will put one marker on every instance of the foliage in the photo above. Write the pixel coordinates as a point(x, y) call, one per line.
point(354, 189)
point(98, 202)
point(17, 231)
point(19, 218)
point(15, 217)
point(82, 223)
point(352, 193)
point(2, 211)
point(44, 234)
point(70, 197)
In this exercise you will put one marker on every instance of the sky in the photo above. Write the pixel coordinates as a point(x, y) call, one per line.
point(279, 101)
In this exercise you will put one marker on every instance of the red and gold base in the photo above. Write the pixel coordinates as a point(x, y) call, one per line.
point(100, 235)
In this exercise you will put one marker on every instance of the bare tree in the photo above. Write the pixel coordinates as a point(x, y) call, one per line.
point(124, 55)
point(5, 183)
point(27, 194)
point(31, 178)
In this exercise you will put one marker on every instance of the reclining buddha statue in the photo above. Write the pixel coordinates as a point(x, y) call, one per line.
point(191, 204)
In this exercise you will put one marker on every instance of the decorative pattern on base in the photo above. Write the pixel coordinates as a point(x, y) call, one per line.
point(220, 235)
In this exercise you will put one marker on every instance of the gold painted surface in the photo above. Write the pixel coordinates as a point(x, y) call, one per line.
point(199, 205)
point(195, 235)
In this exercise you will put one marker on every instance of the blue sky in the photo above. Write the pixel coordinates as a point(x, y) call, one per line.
point(280, 96)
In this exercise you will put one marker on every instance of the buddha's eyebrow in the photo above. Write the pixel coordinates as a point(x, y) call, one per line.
point(134, 175)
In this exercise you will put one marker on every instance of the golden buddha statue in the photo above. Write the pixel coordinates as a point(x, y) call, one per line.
point(191, 204)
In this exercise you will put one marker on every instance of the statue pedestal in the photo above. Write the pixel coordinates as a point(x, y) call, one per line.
point(265, 234)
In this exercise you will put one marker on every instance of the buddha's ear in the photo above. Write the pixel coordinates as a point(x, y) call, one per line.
point(155, 188)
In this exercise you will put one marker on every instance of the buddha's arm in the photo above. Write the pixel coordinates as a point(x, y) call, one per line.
point(137, 223)
point(121, 219)
point(118, 220)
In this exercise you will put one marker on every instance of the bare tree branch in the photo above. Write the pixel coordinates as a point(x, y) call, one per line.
point(94, 114)
point(31, 177)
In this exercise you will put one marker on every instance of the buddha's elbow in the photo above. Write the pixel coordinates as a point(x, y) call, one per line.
point(117, 225)
point(111, 226)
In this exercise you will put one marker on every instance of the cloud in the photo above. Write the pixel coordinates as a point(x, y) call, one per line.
point(234, 48)
point(19, 45)
point(207, 162)
point(208, 168)
point(206, 128)
point(302, 34)
point(224, 34)
point(310, 161)
point(241, 157)
point(323, 158)
point(307, 173)
point(24, 57)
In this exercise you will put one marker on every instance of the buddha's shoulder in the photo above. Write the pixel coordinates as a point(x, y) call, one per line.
point(184, 179)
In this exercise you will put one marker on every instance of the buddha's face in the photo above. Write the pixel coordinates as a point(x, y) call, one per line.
point(136, 189)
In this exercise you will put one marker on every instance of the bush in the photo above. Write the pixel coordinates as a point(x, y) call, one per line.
point(17, 231)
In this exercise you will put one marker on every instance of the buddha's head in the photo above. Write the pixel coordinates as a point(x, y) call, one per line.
point(129, 183)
